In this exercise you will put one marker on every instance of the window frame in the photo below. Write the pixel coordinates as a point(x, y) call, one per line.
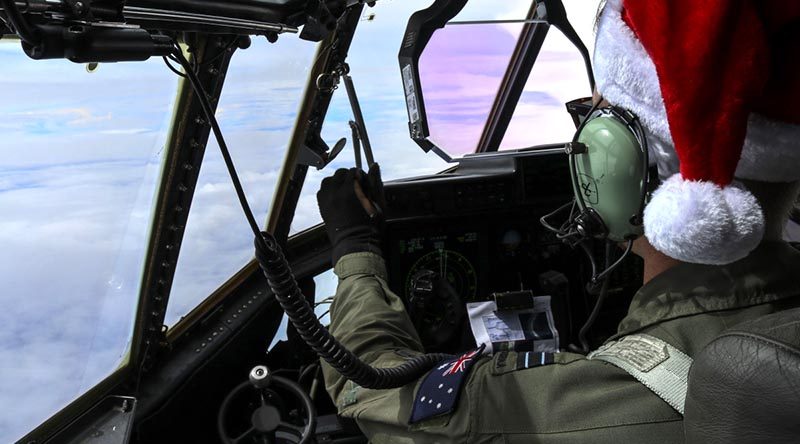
point(305, 136)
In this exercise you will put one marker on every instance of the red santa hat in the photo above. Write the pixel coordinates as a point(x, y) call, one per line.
point(717, 87)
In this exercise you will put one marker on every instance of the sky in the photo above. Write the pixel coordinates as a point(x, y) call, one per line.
point(80, 157)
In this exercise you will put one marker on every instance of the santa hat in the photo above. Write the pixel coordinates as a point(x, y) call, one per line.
point(717, 87)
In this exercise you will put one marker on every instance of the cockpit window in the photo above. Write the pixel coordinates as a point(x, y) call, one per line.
point(373, 66)
point(471, 73)
point(557, 77)
point(80, 155)
point(257, 112)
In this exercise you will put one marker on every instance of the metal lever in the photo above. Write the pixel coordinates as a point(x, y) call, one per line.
point(356, 144)
point(359, 121)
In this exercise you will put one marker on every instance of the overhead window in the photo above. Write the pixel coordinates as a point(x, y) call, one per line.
point(79, 162)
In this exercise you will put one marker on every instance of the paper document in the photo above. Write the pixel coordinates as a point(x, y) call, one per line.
point(530, 329)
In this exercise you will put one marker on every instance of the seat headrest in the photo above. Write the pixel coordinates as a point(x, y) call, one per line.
point(744, 387)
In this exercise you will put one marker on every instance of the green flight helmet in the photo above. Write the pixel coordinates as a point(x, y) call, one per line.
point(609, 168)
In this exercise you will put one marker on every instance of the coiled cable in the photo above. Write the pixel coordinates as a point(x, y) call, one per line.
point(284, 286)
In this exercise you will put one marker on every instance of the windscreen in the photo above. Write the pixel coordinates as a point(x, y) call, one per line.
point(257, 111)
point(80, 155)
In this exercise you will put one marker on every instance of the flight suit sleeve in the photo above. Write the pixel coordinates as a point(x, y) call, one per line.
point(368, 319)
point(510, 397)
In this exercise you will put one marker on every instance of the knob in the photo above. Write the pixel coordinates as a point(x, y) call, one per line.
point(260, 377)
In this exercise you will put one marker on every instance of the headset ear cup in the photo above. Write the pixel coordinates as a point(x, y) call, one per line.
point(609, 174)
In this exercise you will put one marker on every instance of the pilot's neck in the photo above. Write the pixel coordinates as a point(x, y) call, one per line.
point(655, 262)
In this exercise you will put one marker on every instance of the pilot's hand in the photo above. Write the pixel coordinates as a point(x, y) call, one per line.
point(350, 204)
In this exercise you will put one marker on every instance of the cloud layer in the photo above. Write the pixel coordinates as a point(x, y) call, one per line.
point(75, 200)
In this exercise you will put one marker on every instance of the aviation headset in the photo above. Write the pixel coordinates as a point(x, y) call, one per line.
point(611, 181)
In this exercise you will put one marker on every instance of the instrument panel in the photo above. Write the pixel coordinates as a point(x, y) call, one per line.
point(459, 238)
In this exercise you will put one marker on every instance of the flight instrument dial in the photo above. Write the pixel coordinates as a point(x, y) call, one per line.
point(453, 267)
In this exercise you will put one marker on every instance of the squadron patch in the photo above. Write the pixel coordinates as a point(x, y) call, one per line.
point(438, 394)
point(642, 352)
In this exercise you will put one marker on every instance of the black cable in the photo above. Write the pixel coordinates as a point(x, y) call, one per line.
point(27, 33)
point(326, 301)
point(610, 269)
point(590, 256)
point(545, 223)
point(202, 98)
point(279, 275)
point(601, 297)
point(172, 68)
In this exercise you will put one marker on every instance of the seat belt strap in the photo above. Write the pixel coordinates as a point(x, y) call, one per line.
point(661, 367)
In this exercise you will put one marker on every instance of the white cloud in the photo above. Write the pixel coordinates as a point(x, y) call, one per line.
point(74, 215)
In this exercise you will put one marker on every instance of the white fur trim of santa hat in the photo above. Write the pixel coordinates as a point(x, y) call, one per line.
point(703, 223)
point(627, 77)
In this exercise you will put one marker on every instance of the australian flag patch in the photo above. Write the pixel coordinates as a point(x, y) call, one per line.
point(439, 391)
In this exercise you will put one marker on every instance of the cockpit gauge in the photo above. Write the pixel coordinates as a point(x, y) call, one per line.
point(436, 288)
point(448, 267)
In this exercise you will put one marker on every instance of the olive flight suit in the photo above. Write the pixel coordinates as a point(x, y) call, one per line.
point(572, 399)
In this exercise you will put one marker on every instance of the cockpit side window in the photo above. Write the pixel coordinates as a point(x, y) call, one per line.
point(80, 155)
point(257, 112)
point(373, 66)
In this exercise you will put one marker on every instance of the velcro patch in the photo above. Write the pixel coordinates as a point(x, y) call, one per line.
point(438, 394)
point(350, 395)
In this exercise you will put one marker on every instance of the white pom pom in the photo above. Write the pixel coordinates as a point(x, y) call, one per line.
point(702, 223)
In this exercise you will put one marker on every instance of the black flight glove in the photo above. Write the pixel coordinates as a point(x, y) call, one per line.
point(351, 204)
